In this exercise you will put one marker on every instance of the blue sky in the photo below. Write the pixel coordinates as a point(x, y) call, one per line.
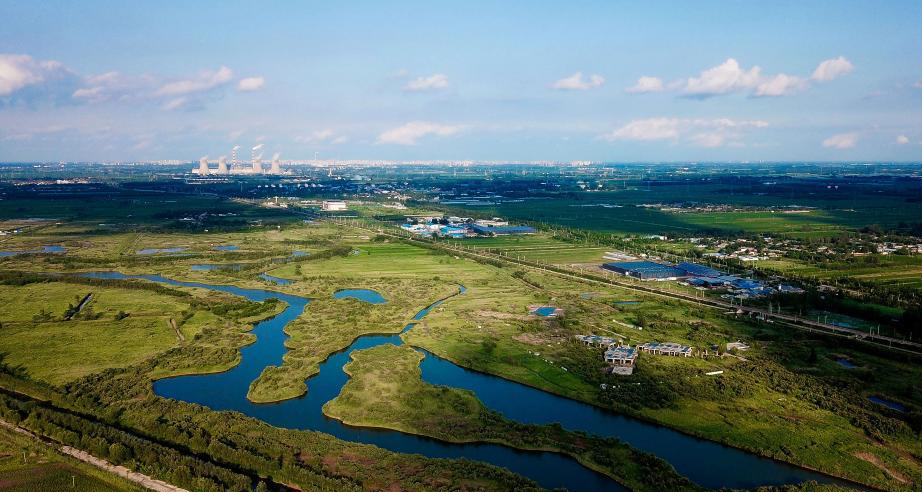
point(605, 80)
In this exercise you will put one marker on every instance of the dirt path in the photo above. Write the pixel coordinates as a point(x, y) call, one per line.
point(175, 327)
point(874, 460)
point(138, 478)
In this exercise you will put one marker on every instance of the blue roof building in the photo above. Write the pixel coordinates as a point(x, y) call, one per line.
point(502, 230)
point(697, 270)
point(645, 270)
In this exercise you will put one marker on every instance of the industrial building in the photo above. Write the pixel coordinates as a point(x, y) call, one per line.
point(645, 270)
point(334, 205)
point(501, 230)
point(696, 270)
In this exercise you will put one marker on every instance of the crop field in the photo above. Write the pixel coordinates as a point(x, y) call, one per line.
point(846, 208)
point(904, 271)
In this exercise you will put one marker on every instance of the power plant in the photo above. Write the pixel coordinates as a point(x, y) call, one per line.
point(256, 164)
point(257, 159)
point(203, 165)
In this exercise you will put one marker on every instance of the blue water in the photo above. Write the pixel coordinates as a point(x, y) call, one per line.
point(709, 464)
point(545, 311)
point(845, 363)
point(153, 251)
point(628, 302)
point(275, 280)
point(887, 403)
point(45, 249)
point(299, 253)
point(229, 247)
point(366, 295)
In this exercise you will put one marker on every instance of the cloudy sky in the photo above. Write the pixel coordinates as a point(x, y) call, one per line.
point(528, 80)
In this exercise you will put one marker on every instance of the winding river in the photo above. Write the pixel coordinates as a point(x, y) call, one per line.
point(707, 463)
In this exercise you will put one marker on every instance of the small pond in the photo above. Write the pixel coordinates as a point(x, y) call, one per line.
point(275, 280)
point(229, 247)
point(545, 311)
point(887, 403)
point(366, 295)
point(153, 251)
point(45, 249)
point(845, 363)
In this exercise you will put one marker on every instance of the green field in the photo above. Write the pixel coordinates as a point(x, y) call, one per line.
point(789, 399)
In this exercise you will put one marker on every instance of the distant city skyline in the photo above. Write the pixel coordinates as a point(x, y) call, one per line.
point(481, 81)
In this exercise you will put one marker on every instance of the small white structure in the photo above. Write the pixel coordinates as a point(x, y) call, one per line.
point(334, 205)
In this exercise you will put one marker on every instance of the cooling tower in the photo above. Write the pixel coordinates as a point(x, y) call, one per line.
point(203, 165)
point(222, 165)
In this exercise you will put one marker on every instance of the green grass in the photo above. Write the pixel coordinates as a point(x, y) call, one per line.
point(386, 390)
point(61, 351)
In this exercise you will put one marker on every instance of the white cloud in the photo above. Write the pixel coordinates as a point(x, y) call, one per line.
point(251, 84)
point(325, 136)
point(20, 71)
point(902, 140)
point(841, 141)
point(176, 103)
point(832, 69)
point(730, 77)
point(703, 132)
point(576, 82)
point(780, 85)
point(431, 83)
point(709, 139)
point(411, 132)
point(722, 79)
point(647, 129)
point(24, 79)
point(646, 84)
point(203, 82)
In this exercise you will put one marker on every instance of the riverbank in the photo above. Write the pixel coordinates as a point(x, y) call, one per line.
point(386, 391)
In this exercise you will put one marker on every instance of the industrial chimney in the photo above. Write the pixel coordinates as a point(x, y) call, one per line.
point(203, 166)
point(257, 160)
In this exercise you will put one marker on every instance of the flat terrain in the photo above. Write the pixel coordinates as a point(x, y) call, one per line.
point(789, 397)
